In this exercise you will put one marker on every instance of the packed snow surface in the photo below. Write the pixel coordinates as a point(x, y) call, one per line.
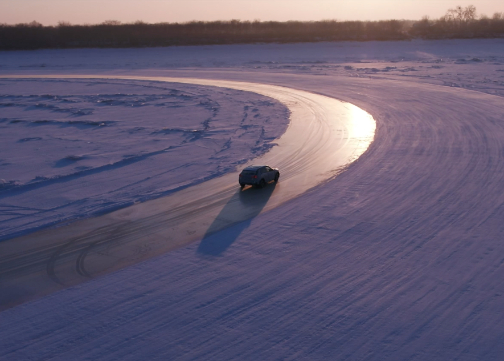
point(72, 149)
point(323, 137)
point(400, 257)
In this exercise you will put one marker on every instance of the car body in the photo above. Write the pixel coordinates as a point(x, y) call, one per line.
point(258, 175)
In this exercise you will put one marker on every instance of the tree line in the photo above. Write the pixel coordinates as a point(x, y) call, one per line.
point(457, 23)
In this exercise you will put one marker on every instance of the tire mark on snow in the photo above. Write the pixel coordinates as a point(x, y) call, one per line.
point(324, 136)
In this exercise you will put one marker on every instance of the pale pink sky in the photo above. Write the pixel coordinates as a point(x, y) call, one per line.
point(50, 12)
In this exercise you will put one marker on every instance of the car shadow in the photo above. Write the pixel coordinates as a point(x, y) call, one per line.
point(234, 218)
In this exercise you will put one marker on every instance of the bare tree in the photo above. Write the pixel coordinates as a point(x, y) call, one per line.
point(498, 16)
point(35, 24)
point(111, 22)
point(469, 13)
point(460, 14)
point(454, 14)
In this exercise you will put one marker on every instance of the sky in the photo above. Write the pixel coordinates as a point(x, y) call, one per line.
point(50, 12)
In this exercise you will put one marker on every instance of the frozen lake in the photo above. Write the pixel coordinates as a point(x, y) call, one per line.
point(398, 258)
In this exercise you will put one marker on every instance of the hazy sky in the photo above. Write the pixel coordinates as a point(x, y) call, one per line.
point(50, 12)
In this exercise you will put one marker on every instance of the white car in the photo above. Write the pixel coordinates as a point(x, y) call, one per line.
point(258, 175)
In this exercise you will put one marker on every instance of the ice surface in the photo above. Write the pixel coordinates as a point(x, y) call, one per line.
point(72, 149)
point(398, 258)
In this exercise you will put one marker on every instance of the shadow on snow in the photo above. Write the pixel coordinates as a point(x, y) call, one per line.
point(238, 212)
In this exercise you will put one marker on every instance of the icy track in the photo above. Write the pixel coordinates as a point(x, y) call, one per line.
point(324, 136)
point(76, 148)
point(400, 257)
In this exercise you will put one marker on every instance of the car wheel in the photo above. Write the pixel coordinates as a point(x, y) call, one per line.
point(242, 185)
point(262, 183)
point(276, 177)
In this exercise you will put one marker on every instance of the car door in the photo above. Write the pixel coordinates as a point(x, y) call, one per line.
point(261, 174)
point(269, 174)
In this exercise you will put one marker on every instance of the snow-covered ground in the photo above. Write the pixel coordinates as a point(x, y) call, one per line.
point(398, 258)
point(72, 149)
point(323, 137)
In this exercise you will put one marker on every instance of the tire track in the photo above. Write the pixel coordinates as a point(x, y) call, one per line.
point(323, 137)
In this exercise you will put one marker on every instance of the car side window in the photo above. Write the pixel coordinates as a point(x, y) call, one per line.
point(268, 169)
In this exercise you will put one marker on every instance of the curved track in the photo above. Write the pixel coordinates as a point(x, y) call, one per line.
point(323, 137)
point(398, 258)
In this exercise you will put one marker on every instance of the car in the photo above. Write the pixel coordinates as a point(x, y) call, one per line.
point(258, 175)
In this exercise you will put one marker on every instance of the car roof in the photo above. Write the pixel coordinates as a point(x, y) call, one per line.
point(254, 167)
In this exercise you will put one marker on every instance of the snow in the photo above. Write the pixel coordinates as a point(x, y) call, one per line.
point(72, 149)
point(397, 258)
point(323, 137)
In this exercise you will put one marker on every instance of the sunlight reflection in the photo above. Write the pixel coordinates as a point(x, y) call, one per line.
point(362, 125)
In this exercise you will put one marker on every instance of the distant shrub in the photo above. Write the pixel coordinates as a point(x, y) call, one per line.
point(114, 34)
point(456, 23)
point(460, 23)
